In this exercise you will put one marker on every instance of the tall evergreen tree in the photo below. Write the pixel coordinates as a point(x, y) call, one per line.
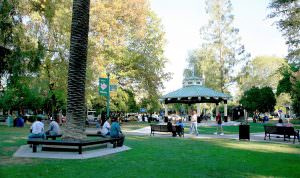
point(221, 38)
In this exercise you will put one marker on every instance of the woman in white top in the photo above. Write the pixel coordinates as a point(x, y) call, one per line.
point(194, 126)
point(105, 128)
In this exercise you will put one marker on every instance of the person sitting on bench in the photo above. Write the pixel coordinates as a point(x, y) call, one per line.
point(171, 128)
point(54, 128)
point(280, 122)
point(115, 131)
point(105, 129)
point(37, 129)
point(179, 127)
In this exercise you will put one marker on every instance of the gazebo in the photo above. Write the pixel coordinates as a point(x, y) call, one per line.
point(193, 92)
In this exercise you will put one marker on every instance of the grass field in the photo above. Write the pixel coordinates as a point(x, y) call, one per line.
point(158, 157)
point(254, 127)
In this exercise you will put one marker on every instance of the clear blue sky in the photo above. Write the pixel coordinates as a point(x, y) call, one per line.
point(182, 20)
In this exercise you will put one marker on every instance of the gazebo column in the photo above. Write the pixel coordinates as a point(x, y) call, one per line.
point(225, 111)
point(217, 108)
point(166, 110)
point(198, 109)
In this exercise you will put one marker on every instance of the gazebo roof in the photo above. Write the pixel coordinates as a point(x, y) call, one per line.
point(195, 94)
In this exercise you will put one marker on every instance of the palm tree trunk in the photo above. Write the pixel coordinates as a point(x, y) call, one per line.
point(74, 129)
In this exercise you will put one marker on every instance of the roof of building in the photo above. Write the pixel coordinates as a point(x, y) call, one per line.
point(195, 94)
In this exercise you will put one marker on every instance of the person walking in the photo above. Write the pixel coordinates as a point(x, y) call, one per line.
point(219, 125)
point(194, 126)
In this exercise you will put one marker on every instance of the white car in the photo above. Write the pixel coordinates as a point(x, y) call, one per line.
point(91, 116)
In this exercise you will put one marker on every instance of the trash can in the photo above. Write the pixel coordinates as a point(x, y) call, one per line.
point(244, 132)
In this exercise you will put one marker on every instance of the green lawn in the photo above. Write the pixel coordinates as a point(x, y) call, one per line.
point(254, 128)
point(159, 157)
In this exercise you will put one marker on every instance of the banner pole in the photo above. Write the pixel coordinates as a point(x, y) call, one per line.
point(108, 97)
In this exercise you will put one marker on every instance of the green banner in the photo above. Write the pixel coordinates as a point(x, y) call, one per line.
point(103, 87)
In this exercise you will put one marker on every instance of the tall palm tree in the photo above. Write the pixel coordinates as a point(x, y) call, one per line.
point(77, 71)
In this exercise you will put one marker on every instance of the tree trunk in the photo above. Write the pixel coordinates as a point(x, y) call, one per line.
point(76, 114)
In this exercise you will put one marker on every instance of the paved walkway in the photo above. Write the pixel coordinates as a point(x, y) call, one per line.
point(26, 151)
point(253, 136)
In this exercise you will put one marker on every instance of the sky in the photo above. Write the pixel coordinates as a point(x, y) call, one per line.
point(182, 20)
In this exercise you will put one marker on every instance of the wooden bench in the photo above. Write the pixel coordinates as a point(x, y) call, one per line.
point(163, 128)
point(38, 141)
point(53, 137)
point(281, 130)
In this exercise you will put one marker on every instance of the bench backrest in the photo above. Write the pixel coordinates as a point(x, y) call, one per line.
point(160, 128)
point(164, 128)
point(155, 127)
point(279, 130)
point(289, 130)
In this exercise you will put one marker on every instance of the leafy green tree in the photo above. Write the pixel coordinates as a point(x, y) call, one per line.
point(296, 97)
point(201, 62)
point(251, 99)
point(132, 105)
point(131, 45)
point(25, 53)
point(261, 71)
point(262, 100)
point(268, 100)
point(285, 84)
point(290, 84)
point(129, 40)
point(21, 63)
point(287, 15)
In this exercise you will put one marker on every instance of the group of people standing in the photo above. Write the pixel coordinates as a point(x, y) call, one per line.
point(194, 125)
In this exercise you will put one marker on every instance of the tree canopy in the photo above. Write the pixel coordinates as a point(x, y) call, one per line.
point(221, 49)
point(126, 38)
point(287, 16)
point(256, 99)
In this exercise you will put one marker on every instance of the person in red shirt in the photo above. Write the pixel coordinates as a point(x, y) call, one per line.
point(219, 125)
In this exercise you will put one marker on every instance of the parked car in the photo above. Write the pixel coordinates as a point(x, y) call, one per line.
point(131, 117)
point(91, 116)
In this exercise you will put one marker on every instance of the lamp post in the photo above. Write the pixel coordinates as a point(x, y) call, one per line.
point(108, 96)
